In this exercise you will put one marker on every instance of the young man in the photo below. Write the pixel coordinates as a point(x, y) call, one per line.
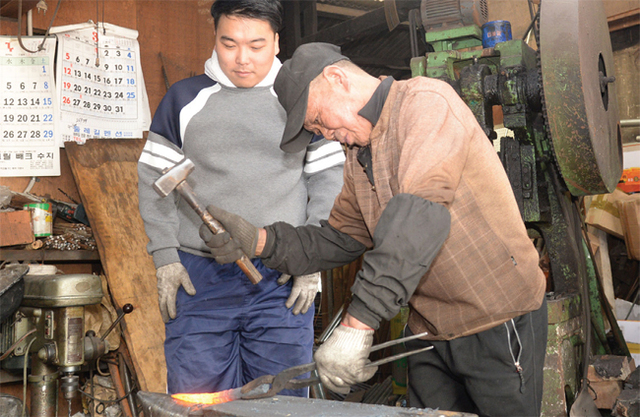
point(426, 193)
point(221, 330)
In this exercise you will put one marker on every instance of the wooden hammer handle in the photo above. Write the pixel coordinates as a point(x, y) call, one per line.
point(216, 227)
point(244, 262)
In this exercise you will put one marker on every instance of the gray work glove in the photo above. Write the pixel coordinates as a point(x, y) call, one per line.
point(341, 359)
point(303, 292)
point(240, 237)
point(170, 278)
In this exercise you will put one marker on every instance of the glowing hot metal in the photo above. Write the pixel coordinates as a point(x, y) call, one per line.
point(211, 397)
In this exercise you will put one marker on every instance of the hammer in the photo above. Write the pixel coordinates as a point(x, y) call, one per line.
point(176, 179)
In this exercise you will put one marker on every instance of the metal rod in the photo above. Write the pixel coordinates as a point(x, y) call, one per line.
point(335, 322)
point(126, 309)
point(629, 122)
point(398, 356)
point(398, 341)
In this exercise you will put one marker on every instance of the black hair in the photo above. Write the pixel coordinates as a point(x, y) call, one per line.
point(268, 10)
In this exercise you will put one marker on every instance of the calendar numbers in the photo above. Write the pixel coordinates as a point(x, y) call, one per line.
point(91, 90)
point(100, 84)
point(27, 109)
point(27, 101)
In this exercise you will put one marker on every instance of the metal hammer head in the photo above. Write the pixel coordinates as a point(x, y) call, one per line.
point(172, 177)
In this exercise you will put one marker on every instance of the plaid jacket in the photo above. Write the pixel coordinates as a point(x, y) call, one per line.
point(427, 143)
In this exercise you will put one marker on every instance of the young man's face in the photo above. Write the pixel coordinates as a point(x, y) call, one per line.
point(334, 114)
point(246, 49)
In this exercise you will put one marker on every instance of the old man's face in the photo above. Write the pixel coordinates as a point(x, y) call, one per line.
point(333, 113)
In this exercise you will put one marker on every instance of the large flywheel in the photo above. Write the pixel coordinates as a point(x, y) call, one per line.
point(581, 109)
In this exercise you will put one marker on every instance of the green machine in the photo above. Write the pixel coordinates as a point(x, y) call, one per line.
point(559, 106)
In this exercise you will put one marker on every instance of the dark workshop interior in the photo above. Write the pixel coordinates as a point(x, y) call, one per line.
point(553, 84)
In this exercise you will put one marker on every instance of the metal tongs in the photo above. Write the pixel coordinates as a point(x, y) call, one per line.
point(270, 385)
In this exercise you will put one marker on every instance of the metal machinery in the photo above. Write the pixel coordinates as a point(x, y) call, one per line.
point(560, 106)
point(49, 326)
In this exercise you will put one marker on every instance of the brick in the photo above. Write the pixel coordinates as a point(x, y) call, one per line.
point(610, 368)
point(627, 404)
point(606, 393)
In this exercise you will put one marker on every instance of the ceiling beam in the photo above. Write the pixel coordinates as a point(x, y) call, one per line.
point(337, 12)
point(381, 62)
point(355, 28)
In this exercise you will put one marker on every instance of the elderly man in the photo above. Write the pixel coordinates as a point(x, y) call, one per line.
point(427, 195)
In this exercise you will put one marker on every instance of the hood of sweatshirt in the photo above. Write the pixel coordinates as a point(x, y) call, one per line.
point(213, 70)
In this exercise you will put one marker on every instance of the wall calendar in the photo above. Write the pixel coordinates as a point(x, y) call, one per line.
point(100, 86)
point(28, 108)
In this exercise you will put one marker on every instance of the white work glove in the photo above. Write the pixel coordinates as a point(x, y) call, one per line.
point(341, 359)
point(303, 292)
point(170, 278)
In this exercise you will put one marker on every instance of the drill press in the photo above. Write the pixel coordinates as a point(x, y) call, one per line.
point(47, 331)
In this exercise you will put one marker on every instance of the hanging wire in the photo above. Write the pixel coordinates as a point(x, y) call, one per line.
point(24, 377)
point(533, 15)
point(104, 29)
point(15, 345)
point(98, 33)
point(41, 46)
point(20, 29)
point(532, 26)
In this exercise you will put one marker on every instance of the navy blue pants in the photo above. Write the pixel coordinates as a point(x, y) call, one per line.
point(233, 331)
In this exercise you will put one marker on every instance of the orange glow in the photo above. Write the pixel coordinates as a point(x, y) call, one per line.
point(209, 398)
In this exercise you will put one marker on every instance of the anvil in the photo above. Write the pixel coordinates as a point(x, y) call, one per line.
point(162, 405)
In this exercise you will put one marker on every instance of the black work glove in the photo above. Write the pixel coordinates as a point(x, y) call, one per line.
point(240, 237)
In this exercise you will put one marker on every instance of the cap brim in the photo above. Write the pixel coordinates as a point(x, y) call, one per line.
point(295, 138)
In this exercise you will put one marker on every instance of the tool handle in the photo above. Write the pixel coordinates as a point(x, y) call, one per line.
point(216, 227)
point(244, 262)
point(249, 269)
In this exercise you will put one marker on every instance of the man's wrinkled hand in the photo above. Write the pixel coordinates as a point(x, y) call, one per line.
point(170, 278)
point(241, 237)
point(341, 359)
point(303, 292)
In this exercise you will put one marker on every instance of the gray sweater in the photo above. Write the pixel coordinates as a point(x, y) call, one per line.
point(232, 135)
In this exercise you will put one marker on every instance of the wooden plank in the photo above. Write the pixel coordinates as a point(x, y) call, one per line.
point(49, 255)
point(600, 250)
point(15, 228)
point(604, 394)
point(107, 178)
point(624, 20)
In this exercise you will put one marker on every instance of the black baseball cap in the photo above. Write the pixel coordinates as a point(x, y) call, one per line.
point(292, 88)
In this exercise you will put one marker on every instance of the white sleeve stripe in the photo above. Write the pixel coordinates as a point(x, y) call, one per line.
point(324, 150)
point(163, 151)
point(191, 109)
point(157, 162)
point(324, 163)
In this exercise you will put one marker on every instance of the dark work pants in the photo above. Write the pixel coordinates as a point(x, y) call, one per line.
point(476, 373)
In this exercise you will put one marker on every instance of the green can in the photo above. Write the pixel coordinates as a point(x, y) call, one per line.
point(41, 218)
